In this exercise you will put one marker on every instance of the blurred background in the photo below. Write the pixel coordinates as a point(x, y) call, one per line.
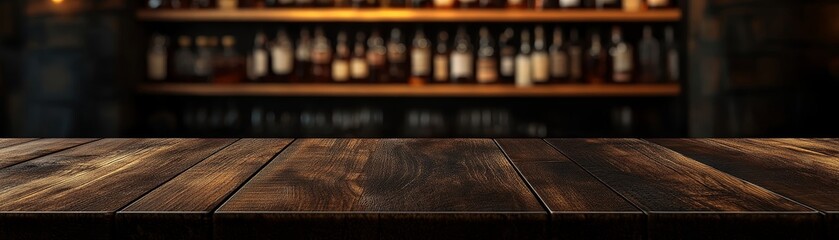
point(300, 68)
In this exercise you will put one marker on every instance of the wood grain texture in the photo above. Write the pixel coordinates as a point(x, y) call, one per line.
point(334, 184)
point(5, 142)
point(97, 178)
point(687, 199)
point(581, 206)
point(29, 150)
point(182, 207)
point(805, 170)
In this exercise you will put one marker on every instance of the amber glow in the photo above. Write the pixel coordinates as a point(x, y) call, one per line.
point(57, 1)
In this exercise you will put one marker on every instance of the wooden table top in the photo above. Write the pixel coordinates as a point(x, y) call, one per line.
point(419, 188)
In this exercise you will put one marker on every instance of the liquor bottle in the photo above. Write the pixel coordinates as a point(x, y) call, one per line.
point(377, 57)
point(608, 4)
point(203, 68)
point(487, 66)
point(258, 59)
point(227, 4)
point(462, 59)
point(282, 57)
point(303, 57)
point(444, 4)
point(633, 5)
point(517, 4)
point(658, 3)
point(359, 70)
point(560, 66)
point(672, 55)
point(420, 59)
point(441, 58)
point(507, 61)
point(575, 55)
point(619, 67)
point(570, 3)
point(421, 3)
point(341, 63)
point(156, 4)
point(544, 4)
point(202, 4)
point(490, 3)
point(156, 59)
point(539, 62)
point(321, 57)
point(595, 60)
point(184, 60)
point(523, 68)
point(179, 4)
point(467, 3)
point(229, 66)
point(396, 57)
point(649, 57)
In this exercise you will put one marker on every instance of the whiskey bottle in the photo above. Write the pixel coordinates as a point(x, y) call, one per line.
point(507, 61)
point(359, 70)
point(377, 57)
point(441, 58)
point(487, 66)
point(156, 60)
point(258, 59)
point(649, 57)
point(321, 57)
point(303, 57)
point(658, 3)
point(184, 60)
point(620, 68)
point(229, 66)
point(467, 3)
point(608, 4)
point(523, 64)
point(559, 58)
point(282, 57)
point(461, 58)
point(444, 4)
point(420, 59)
point(570, 3)
point(575, 55)
point(396, 57)
point(517, 4)
point(341, 63)
point(633, 5)
point(672, 56)
point(539, 58)
point(203, 68)
point(595, 60)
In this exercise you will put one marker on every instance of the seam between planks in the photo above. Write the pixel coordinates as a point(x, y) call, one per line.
point(50, 153)
point(523, 178)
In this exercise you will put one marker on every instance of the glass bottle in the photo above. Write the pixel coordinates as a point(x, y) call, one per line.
point(559, 58)
point(595, 60)
point(303, 57)
point(341, 63)
point(633, 5)
point(156, 59)
point(377, 57)
point(570, 4)
point(517, 4)
point(461, 58)
point(203, 68)
point(420, 58)
point(658, 3)
point(575, 55)
point(507, 61)
point(620, 68)
point(396, 57)
point(539, 62)
point(490, 3)
point(184, 60)
point(608, 4)
point(487, 66)
point(444, 4)
point(156, 4)
point(282, 57)
point(649, 57)
point(359, 70)
point(441, 58)
point(258, 59)
point(321, 57)
point(523, 68)
point(467, 3)
point(230, 66)
point(671, 49)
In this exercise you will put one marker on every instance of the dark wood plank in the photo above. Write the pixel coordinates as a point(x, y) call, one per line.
point(805, 170)
point(384, 188)
point(29, 150)
point(687, 199)
point(82, 187)
point(581, 206)
point(181, 208)
point(5, 142)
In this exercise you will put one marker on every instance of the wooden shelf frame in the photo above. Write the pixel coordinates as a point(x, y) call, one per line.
point(404, 90)
point(406, 15)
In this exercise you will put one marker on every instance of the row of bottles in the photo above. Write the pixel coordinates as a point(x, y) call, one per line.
point(628, 5)
point(522, 57)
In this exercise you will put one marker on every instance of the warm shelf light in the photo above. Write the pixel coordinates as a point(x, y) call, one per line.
point(57, 1)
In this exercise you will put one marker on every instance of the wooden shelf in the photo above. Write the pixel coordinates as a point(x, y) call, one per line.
point(402, 90)
point(406, 15)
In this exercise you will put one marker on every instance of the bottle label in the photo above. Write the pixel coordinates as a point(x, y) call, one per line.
point(673, 65)
point(576, 71)
point(622, 64)
point(340, 70)
point(487, 70)
point(508, 66)
point(283, 61)
point(420, 62)
point(358, 68)
point(202, 67)
point(461, 65)
point(157, 66)
point(657, 3)
point(260, 63)
point(376, 59)
point(559, 65)
point(569, 3)
point(441, 68)
point(540, 67)
point(523, 78)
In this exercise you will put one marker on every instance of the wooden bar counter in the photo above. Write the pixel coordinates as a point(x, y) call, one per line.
point(419, 188)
